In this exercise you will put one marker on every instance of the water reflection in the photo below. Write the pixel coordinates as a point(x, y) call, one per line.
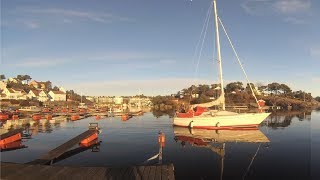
point(281, 119)
point(196, 154)
point(215, 141)
point(35, 127)
point(158, 113)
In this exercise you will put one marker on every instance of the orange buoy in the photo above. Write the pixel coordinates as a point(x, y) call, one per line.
point(36, 117)
point(45, 110)
point(11, 139)
point(48, 116)
point(89, 139)
point(15, 117)
point(124, 117)
point(4, 116)
point(75, 117)
point(161, 139)
point(98, 117)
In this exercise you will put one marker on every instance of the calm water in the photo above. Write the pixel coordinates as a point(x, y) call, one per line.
point(286, 146)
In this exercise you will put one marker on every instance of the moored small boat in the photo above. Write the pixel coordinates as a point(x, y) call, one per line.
point(125, 117)
point(4, 116)
point(36, 117)
point(75, 117)
point(48, 116)
point(15, 117)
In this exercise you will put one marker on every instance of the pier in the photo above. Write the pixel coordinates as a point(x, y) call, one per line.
point(60, 150)
point(55, 153)
point(29, 171)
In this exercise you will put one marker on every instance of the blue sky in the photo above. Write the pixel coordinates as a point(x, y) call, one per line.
point(123, 47)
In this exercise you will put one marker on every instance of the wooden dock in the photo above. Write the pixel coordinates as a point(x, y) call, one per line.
point(28, 171)
point(55, 153)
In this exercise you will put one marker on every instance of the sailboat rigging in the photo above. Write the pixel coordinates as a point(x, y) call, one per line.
point(220, 119)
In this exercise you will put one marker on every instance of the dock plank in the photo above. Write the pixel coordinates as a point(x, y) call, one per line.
point(164, 172)
point(146, 172)
point(170, 172)
point(152, 173)
point(28, 171)
point(158, 173)
point(138, 172)
point(129, 173)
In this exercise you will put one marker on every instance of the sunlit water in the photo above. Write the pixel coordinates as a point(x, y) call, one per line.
point(292, 150)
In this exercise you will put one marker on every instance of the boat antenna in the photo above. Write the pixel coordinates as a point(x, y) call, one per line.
point(236, 54)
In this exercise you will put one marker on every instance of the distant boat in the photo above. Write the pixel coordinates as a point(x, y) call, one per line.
point(222, 119)
point(82, 106)
point(30, 109)
point(4, 116)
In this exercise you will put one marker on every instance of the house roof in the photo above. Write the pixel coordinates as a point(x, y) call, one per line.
point(58, 92)
point(10, 90)
point(17, 89)
point(36, 92)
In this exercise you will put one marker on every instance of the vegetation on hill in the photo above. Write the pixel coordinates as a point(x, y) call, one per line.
point(275, 94)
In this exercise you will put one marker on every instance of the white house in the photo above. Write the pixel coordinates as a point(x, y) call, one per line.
point(39, 95)
point(58, 96)
point(118, 100)
point(3, 85)
point(14, 93)
point(62, 89)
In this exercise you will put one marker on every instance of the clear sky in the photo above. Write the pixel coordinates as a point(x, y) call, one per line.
point(126, 47)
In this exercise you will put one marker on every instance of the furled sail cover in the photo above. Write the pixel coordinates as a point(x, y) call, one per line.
point(216, 102)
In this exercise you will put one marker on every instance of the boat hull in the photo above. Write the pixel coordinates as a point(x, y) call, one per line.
point(238, 121)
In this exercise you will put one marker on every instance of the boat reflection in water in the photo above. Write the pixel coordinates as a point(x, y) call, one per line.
point(216, 140)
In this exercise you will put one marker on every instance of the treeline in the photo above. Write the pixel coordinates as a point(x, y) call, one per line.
point(237, 93)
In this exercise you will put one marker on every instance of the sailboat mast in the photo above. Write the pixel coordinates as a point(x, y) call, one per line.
point(218, 51)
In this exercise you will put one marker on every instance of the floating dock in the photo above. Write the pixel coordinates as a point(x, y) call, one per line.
point(57, 152)
point(28, 171)
point(11, 136)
